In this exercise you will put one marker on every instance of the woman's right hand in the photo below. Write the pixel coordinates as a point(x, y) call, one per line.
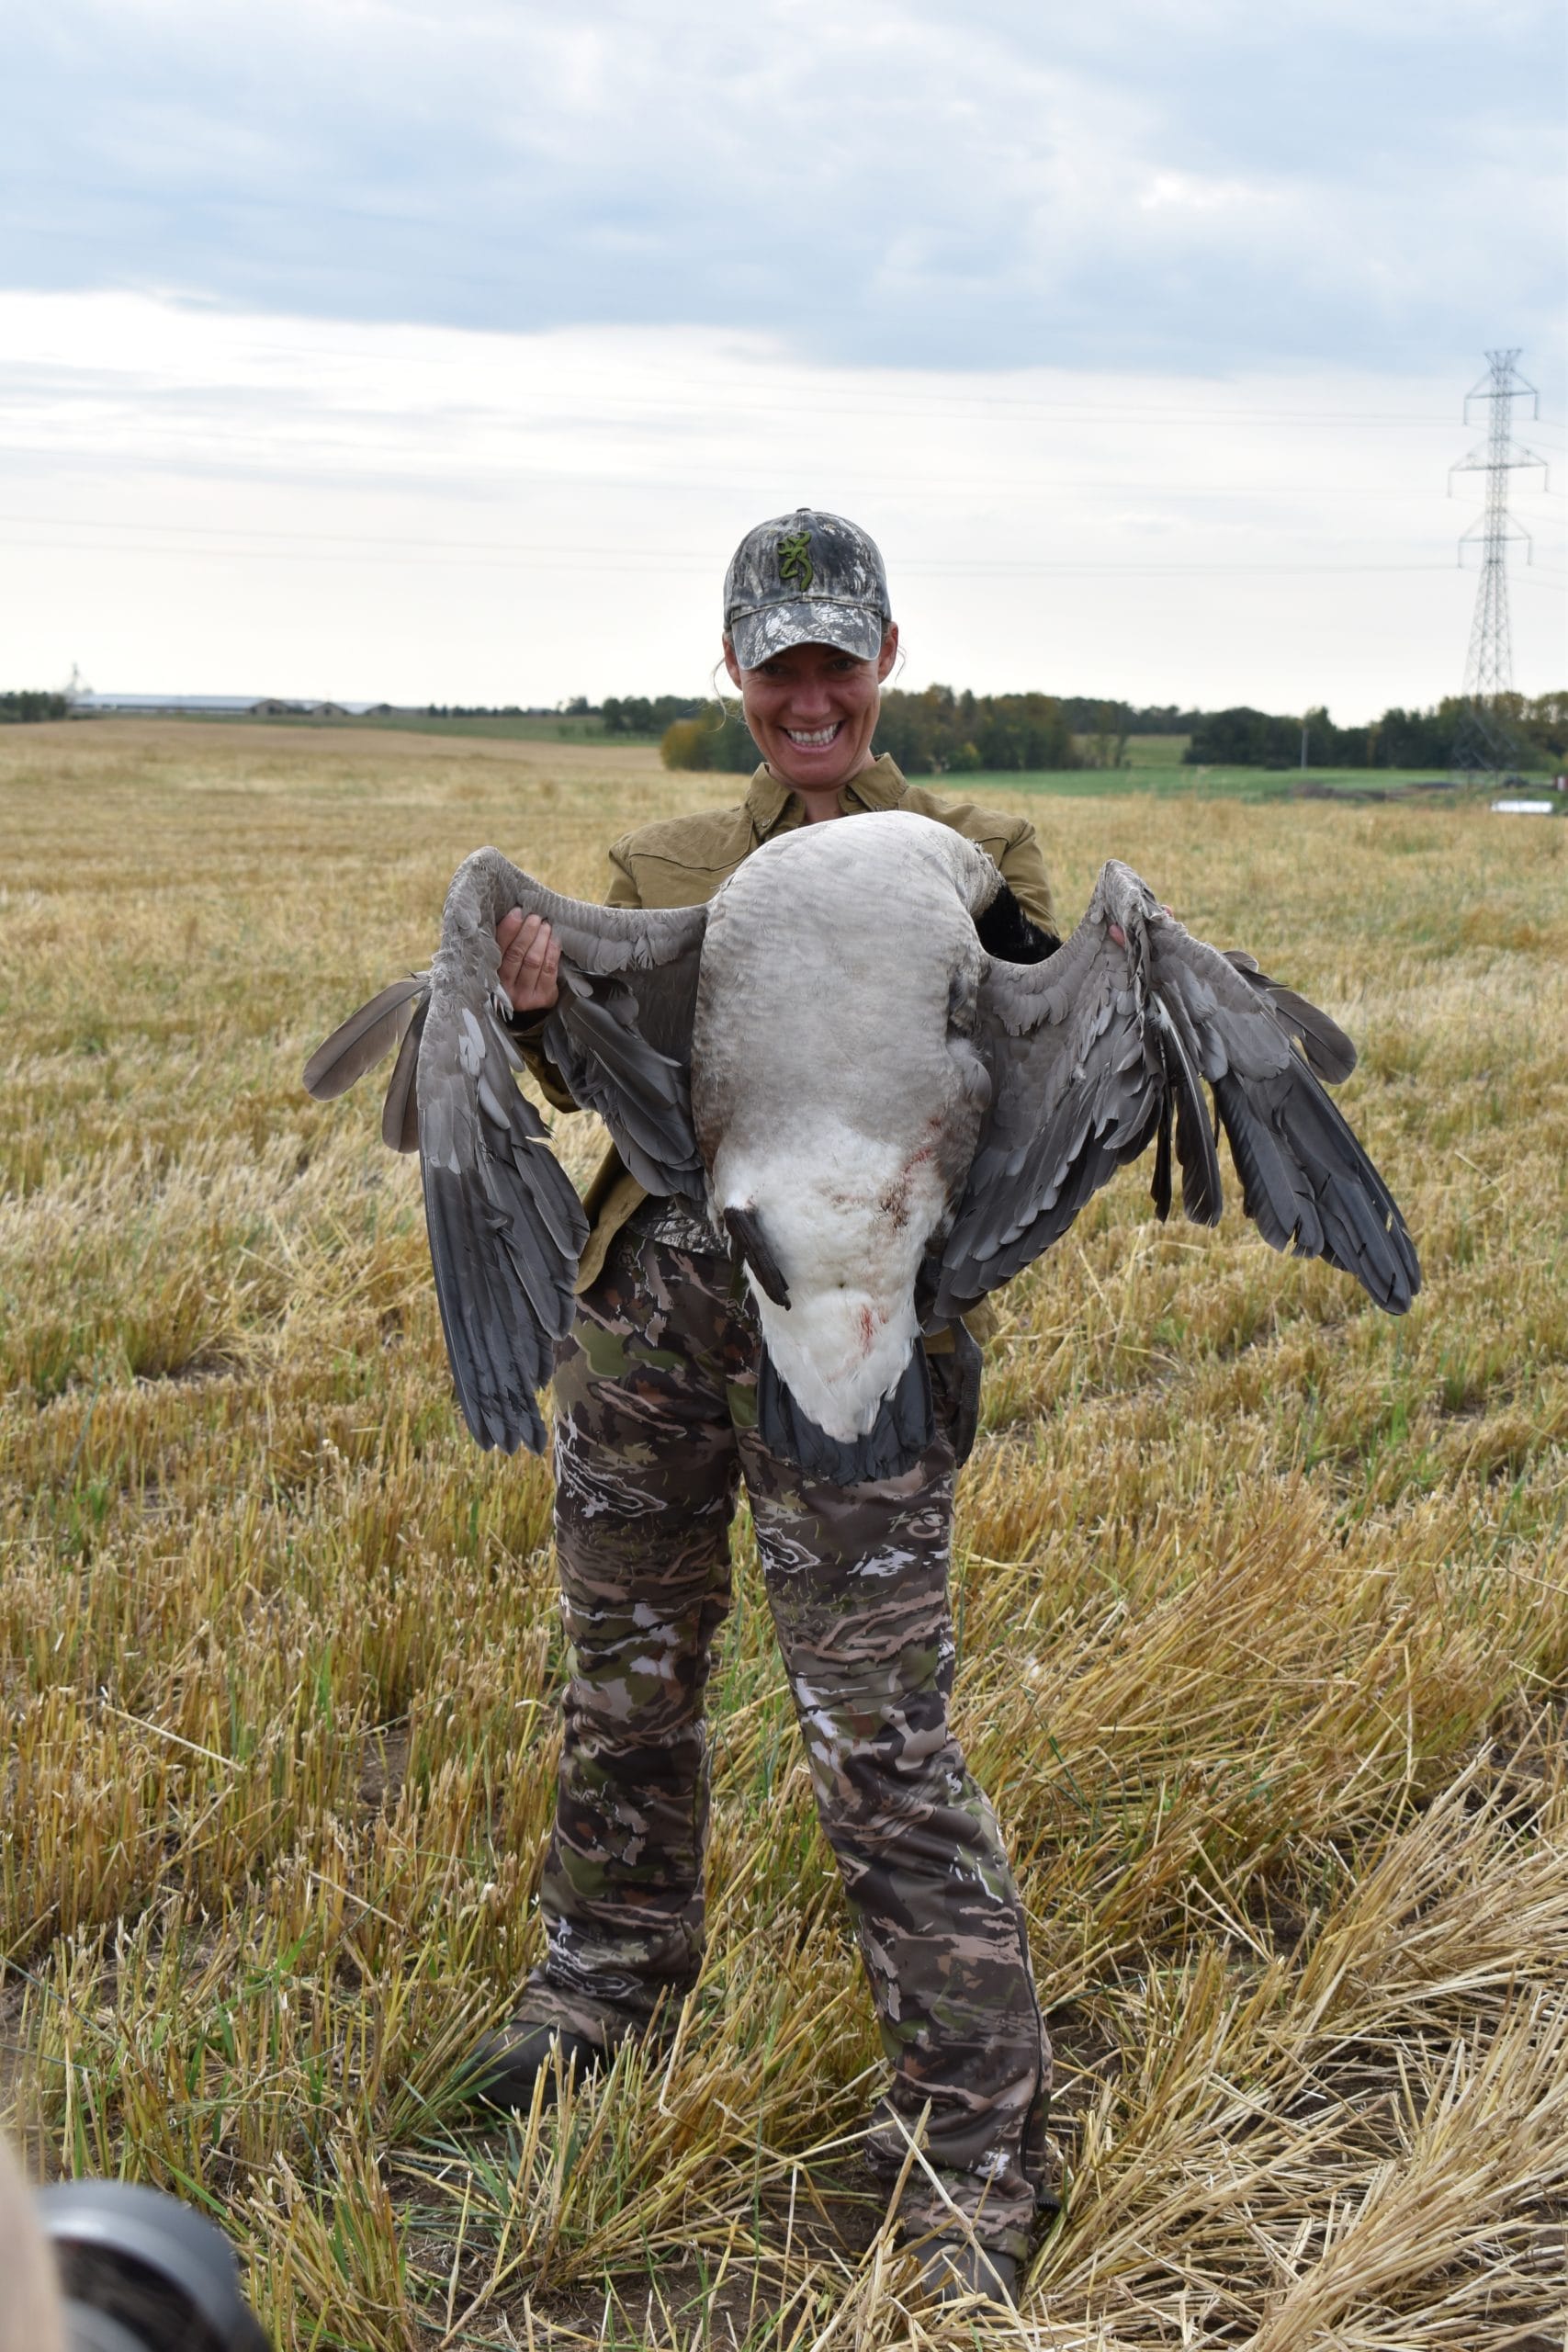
point(529, 957)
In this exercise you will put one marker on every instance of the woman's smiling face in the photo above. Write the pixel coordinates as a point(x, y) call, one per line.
point(812, 710)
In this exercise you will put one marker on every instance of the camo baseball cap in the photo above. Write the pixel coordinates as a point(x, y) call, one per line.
point(804, 578)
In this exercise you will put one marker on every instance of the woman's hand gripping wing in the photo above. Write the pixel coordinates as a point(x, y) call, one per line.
point(506, 1227)
point(1099, 1050)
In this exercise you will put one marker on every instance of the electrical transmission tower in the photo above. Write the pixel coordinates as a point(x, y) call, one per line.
point(1484, 741)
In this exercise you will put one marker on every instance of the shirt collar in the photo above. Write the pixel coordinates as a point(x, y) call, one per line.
point(774, 808)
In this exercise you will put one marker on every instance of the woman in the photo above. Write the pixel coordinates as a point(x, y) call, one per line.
point(655, 1428)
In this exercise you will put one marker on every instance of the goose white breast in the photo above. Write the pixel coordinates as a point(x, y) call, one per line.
point(836, 1094)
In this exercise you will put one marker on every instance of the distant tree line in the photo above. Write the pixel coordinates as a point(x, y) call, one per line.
point(647, 714)
point(17, 709)
point(1400, 739)
point(942, 733)
point(618, 714)
point(578, 708)
point(468, 710)
point(1086, 715)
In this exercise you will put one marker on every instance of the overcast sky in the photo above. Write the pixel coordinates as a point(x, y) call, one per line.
point(443, 353)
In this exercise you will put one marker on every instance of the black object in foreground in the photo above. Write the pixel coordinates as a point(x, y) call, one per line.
point(141, 2272)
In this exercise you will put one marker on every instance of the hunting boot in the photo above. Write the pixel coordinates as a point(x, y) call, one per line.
point(507, 2062)
point(953, 2270)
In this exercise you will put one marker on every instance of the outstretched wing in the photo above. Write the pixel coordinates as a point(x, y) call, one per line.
point(506, 1225)
point(1103, 1048)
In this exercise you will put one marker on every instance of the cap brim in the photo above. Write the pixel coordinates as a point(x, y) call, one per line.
point(854, 628)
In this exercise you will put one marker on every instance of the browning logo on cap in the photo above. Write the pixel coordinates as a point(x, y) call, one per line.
point(795, 559)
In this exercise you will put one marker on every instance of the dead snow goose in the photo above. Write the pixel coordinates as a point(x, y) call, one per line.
point(889, 1121)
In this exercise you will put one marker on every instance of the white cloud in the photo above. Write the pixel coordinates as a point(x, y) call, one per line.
point(216, 502)
point(334, 322)
point(1184, 192)
point(1168, 187)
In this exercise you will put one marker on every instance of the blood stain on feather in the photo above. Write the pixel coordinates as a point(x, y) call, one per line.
point(894, 1198)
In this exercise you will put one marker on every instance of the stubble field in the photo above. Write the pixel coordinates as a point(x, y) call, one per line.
point(1262, 1600)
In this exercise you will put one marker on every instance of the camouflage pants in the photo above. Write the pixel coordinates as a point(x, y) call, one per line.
point(655, 1426)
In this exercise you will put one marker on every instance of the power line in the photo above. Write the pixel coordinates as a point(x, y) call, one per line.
point(416, 538)
point(402, 538)
point(700, 567)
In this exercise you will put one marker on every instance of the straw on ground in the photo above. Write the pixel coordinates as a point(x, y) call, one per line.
point(1262, 1602)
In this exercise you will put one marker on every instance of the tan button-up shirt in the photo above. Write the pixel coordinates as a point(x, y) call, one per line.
point(680, 862)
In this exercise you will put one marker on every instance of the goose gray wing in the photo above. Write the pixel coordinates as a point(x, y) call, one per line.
point(506, 1225)
point(1105, 1048)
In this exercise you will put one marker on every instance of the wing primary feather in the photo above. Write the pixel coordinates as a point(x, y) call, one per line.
point(1159, 1187)
point(1324, 1044)
point(493, 1386)
point(399, 1113)
point(1271, 1193)
point(1310, 1187)
point(1202, 1196)
point(1329, 1050)
point(361, 1041)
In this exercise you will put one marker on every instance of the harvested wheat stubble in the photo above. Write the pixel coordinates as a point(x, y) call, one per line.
point(1262, 1600)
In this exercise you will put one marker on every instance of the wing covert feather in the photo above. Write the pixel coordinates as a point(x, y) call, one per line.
point(399, 1113)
